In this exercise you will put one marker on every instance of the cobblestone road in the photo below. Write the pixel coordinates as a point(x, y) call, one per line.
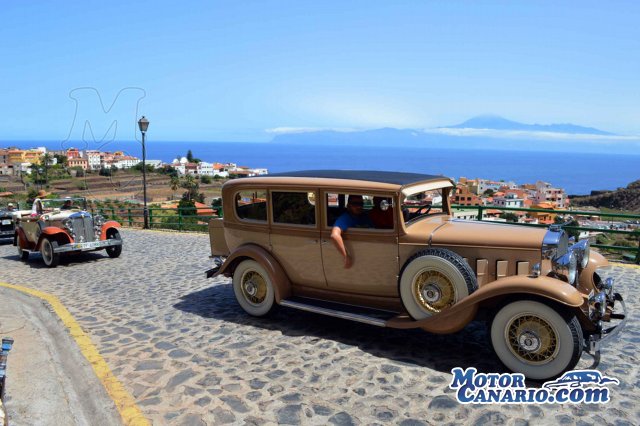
point(189, 354)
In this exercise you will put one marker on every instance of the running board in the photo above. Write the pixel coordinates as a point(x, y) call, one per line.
point(334, 313)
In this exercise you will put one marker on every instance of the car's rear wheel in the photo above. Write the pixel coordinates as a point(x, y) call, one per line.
point(433, 280)
point(24, 255)
point(50, 257)
point(534, 339)
point(253, 288)
point(114, 251)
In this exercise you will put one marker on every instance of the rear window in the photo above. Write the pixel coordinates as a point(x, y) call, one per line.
point(294, 208)
point(252, 205)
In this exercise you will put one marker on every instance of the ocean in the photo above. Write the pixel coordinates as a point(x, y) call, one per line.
point(577, 173)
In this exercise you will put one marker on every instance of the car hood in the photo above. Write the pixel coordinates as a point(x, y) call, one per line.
point(483, 234)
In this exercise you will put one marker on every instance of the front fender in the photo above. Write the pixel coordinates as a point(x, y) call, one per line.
point(59, 235)
point(108, 225)
point(280, 280)
point(596, 260)
point(459, 315)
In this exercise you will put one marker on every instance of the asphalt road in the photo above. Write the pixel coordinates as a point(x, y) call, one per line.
point(189, 355)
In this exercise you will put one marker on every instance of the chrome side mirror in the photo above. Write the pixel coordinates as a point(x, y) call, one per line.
point(384, 205)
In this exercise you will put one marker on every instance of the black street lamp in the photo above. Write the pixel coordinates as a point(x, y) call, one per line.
point(143, 124)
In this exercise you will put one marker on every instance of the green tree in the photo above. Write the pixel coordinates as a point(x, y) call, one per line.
point(191, 185)
point(509, 217)
point(488, 192)
point(205, 179)
point(174, 184)
point(61, 159)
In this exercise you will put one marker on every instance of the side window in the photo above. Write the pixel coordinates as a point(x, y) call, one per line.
point(295, 208)
point(252, 205)
point(363, 210)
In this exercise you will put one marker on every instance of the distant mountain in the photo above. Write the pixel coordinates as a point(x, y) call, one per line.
point(621, 199)
point(494, 122)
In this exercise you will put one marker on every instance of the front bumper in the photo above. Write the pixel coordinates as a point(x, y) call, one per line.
point(88, 246)
point(596, 341)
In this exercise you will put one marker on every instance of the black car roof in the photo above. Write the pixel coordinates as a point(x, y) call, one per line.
point(397, 178)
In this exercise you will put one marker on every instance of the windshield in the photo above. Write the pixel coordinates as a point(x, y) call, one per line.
point(423, 204)
point(49, 205)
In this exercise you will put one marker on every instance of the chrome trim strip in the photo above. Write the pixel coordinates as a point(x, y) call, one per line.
point(333, 313)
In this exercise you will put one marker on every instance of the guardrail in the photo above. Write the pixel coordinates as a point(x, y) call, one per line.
point(179, 219)
point(619, 216)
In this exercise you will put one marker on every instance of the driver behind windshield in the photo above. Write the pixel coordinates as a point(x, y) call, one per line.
point(68, 205)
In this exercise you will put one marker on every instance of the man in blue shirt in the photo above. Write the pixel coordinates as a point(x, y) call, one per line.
point(354, 217)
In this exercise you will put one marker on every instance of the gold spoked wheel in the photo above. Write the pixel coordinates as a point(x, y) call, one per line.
point(433, 290)
point(254, 287)
point(532, 339)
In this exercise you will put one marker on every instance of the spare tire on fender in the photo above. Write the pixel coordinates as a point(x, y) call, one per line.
point(434, 279)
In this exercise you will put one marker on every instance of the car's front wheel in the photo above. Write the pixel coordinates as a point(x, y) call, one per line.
point(536, 340)
point(49, 255)
point(114, 251)
point(253, 288)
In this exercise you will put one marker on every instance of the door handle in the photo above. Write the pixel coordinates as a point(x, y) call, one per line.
point(324, 242)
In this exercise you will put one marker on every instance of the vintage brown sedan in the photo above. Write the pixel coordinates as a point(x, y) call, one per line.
point(546, 298)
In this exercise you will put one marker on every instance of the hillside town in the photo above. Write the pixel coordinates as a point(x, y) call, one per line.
point(15, 161)
point(483, 192)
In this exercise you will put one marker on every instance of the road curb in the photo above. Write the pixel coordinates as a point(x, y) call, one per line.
point(124, 402)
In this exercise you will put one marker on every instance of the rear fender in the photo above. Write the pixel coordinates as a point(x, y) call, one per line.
point(459, 315)
point(106, 226)
point(54, 233)
point(281, 283)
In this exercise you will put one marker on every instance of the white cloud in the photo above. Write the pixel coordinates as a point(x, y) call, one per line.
point(288, 130)
point(528, 134)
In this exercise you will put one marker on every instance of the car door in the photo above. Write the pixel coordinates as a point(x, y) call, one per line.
point(374, 252)
point(295, 235)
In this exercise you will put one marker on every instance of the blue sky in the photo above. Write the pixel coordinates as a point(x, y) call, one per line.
point(232, 70)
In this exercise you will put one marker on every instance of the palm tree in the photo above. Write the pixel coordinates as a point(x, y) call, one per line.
point(174, 183)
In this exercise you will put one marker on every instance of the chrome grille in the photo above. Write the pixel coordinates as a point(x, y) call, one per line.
point(83, 229)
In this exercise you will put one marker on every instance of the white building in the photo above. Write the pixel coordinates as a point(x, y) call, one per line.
point(125, 162)
point(545, 193)
point(93, 158)
point(205, 169)
point(509, 200)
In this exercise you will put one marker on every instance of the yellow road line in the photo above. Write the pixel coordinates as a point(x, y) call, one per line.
point(126, 405)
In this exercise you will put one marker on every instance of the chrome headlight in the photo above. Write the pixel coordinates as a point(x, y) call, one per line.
point(555, 243)
point(98, 220)
point(567, 265)
point(68, 225)
point(582, 250)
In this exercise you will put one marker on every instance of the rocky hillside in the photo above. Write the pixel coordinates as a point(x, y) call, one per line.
point(621, 199)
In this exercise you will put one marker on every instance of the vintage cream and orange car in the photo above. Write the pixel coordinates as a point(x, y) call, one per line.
point(57, 226)
point(546, 300)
